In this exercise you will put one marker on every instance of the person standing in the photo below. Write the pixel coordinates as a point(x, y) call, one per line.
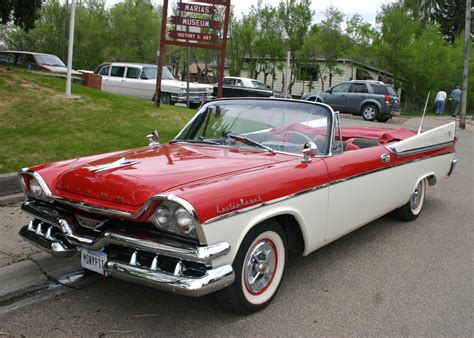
point(455, 98)
point(440, 102)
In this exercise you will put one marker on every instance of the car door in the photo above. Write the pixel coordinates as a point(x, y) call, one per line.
point(131, 84)
point(360, 187)
point(358, 93)
point(227, 87)
point(114, 81)
point(336, 97)
point(105, 73)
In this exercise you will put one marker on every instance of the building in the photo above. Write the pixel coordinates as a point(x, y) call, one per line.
point(314, 75)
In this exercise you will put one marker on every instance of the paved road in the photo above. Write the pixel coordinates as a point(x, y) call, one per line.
point(387, 278)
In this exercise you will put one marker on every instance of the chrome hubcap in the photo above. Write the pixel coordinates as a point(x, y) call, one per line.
point(416, 197)
point(260, 266)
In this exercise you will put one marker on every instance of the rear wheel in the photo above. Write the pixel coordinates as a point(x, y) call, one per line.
point(165, 98)
point(259, 266)
point(369, 112)
point(412, 208)
point(384, 118)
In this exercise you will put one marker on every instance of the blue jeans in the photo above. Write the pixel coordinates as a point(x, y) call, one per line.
point(439, 107)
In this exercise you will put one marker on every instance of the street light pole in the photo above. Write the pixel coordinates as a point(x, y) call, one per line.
point(70, 48)
point(465, 75)
point(287, 71)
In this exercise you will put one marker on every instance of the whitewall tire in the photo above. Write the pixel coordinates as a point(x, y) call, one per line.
point(259, 267)
point(413, 207)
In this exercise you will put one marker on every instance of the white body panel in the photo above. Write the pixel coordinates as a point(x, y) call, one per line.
point(145, 89)
point(439, 135)
point(329, 213)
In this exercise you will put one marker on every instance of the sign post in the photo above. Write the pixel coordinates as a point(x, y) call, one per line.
point(187, 32)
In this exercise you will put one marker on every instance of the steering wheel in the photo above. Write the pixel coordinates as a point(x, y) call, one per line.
point(297, 133)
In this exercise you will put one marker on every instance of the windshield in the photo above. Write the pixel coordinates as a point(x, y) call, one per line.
point(49, 60)
point(149, 73)
point(277, 126)
point(258, 84)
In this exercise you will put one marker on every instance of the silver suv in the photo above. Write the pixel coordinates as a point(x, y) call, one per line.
point(371, 99)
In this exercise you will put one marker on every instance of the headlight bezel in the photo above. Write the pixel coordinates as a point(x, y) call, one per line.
point(30, 180)
point(178, 212)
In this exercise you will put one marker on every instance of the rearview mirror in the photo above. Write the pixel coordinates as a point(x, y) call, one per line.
point(310, 150)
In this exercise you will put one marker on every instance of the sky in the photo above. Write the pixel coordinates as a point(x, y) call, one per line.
point(367, 8)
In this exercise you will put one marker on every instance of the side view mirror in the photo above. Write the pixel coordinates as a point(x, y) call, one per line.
point(310, 150)
point(154, 138)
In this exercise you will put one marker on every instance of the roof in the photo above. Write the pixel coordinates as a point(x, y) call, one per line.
point(24, 52)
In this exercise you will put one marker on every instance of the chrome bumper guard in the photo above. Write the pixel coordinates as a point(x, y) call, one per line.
point(454, 162)
point(56, 234)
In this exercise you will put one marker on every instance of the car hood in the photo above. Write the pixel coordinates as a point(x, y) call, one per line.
point(59, 69)
point(182, 84)
point(133, 177)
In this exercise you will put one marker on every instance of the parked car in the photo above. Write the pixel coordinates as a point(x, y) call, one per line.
point(139, 80)
point(244, 87)
point(34, 61)
point(371, 99)
point(219, 207)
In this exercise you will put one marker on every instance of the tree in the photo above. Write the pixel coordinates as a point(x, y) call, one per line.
point(449, 15)
point(23, 13)
point(295, 17)
point(269, 45)
point(328, 42)
point(360, 39)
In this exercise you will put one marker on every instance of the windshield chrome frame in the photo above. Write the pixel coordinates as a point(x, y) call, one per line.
point(331, 124)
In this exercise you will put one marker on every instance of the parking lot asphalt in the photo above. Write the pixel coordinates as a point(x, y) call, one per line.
point(386, 278)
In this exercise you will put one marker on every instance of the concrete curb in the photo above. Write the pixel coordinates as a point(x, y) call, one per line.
point(10, 199)
point(24, 281)
point(9, 184)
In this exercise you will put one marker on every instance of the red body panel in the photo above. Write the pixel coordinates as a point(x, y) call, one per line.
point(212, 178)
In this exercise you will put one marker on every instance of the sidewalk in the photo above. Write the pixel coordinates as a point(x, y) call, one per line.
point(25, 271)
point(434, 121)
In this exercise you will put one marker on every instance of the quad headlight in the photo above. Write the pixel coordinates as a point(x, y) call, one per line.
point(209, 90)
point(172, 217)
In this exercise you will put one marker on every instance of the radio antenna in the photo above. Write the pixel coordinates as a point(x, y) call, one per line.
point(424, 112)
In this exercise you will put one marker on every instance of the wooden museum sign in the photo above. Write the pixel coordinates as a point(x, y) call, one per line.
point(194, 26)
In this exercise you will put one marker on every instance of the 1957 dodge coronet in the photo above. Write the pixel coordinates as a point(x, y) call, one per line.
point(219, 207)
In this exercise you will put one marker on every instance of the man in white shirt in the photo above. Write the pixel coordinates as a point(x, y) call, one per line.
point(440, 102)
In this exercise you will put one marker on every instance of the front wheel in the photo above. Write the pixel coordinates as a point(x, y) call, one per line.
point(369, 112)
point(259, 266)
point(384, 118)
point(412, 208)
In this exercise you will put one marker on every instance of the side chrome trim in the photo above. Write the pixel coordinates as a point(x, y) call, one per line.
point(264, 204)
point(454, 162)
point(281, 199)
point(417, 150)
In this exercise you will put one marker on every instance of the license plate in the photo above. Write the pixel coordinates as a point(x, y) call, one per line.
point(93, 260)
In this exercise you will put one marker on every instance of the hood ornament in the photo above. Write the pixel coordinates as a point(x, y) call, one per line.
point(117, 164)
point(154, 138)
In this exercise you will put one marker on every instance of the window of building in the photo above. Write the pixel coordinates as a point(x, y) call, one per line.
point(308, 73)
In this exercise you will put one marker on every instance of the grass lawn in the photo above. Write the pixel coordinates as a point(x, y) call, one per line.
point(38, 124)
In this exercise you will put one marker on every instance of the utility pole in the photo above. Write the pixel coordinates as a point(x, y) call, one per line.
point(465, 74)
point(70, 48)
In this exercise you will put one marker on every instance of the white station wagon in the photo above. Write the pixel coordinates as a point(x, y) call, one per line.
point(139, 81)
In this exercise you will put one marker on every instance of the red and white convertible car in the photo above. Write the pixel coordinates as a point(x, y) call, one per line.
point(219, 207)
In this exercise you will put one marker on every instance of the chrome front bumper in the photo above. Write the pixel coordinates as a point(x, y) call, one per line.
point(192, 274)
